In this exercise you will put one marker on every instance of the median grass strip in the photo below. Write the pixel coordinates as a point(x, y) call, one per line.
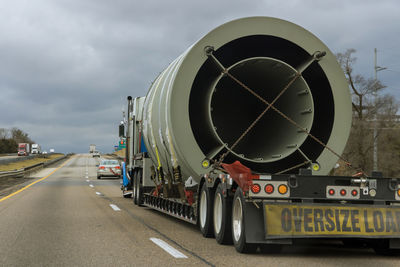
point(120, 153)
point(26, 163)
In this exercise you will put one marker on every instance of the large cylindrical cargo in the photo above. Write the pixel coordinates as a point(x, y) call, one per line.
point(193, 111)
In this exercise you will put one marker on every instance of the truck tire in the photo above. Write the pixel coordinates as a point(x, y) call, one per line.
point(134, 185)
point(238, 224)
point(222, 216)
point(98, 176)
point(139, 188)
point(206, 211)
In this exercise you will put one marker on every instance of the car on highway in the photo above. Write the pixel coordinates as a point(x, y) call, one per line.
point(109, 168)
point(96, 154)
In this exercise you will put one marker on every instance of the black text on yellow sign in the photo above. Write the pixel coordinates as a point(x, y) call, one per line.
point(310, 220)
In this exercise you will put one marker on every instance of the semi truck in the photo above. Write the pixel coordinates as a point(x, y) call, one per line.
point(36, 149)
point(23, 149)
point(92, 148)
point(239, 134)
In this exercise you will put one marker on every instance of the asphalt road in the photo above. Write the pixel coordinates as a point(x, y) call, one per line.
point(72, 219)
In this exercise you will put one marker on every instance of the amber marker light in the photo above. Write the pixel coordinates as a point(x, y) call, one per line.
point(282, 189)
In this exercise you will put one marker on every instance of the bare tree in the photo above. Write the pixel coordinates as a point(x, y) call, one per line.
point(3, 133)
point(20, 136)
point(369, 106)
point(362, 89)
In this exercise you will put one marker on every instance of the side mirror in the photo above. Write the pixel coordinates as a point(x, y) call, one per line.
point(121, 129)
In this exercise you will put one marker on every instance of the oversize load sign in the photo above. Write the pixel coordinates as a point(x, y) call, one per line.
point(320, 220)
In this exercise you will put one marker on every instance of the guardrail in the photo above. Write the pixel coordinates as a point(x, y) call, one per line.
point(27, 170)
point(10, 160)
point(8, 154)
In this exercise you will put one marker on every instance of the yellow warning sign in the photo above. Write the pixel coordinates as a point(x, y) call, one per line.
point(322, 220)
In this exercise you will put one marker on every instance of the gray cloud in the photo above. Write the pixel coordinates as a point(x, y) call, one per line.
point(67, 66)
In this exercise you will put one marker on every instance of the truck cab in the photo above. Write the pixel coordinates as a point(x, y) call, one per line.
point(36, 149)
point(23, 149)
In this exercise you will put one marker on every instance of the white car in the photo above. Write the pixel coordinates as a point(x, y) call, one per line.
point(44, 152)
point(109, 167)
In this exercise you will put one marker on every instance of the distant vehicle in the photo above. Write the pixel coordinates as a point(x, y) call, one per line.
point(96, 154)
point(109, 167)
point(36, 149)
point(51, 150)
point(92, 148)
point(44, 152)
point(23, 149)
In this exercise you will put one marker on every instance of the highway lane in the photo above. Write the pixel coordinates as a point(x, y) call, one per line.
point(66, 219)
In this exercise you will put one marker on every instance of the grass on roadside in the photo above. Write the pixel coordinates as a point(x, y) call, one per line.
point(29, 162)
point(120, 153)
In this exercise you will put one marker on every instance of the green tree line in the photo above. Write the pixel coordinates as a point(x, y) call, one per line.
point(9, 139)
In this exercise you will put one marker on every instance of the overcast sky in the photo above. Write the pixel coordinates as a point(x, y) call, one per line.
point(66, 66)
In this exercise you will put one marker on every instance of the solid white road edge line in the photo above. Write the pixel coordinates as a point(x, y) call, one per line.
point(165, 246)
point(115, 207)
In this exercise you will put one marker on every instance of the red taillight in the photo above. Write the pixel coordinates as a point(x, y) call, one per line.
point(101, 167)
point(255, 188)
point(343, 192)
point(117, 167)
point(331, 192)
point(354, 192)
point(269, 189)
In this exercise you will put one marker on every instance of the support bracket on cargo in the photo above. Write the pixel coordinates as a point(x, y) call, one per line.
point(209, 52)
point(317, 56)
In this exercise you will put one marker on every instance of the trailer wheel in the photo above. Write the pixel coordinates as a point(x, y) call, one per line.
point(134, 187)
point(206, 211)
point(139, 188)
point(98, 176)
point(222, 217)
point(238, 224)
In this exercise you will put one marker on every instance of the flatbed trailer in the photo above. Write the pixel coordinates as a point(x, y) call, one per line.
point(277, 209)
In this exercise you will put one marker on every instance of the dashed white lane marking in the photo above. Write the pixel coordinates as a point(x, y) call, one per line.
point(91, 185)
point(165, 246)
point(115, 207)
point(87, 177)
point(88, 181)
point(98, 193)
